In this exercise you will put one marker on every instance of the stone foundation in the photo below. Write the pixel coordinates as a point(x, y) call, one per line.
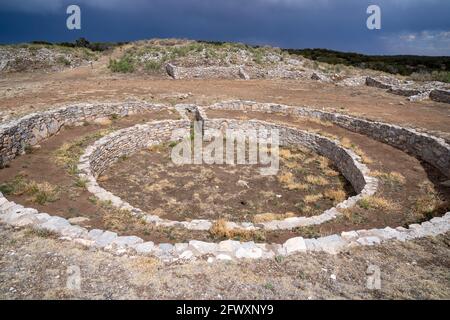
point(16, 135)
point(428, 148)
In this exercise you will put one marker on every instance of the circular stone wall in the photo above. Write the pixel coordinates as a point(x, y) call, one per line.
point(126, 141)
point(29, 130)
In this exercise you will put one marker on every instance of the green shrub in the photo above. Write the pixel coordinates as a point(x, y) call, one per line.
point(123, 65)
point(63, 60)
point(153, 65)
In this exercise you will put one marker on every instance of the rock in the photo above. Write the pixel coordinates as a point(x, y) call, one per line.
point(84, 242)
point(350, 235)
point(440, 95)
point(166, 248)
point(419, 97)
point(320, 77)
point(203, 247)
point(170, 69)
point(144, 248)
point(73, 232)
point(187, 255)
point(371, 82)
point(25, 220)
point(223, 257)
point(201, 225)
point(228, 246)
point(181, 247)
point(243, 184)
point(126, 241)
point(249, 253)
point(295, 245)
point(43, 217)
point(400, 91)
point(332, 244)
point(242, 74)
point(249, 250)
point(312, 245)
point(210, 260)
point(102, 238)
point(446, 183)
point(55, 224)
point(78, 220)
point(368, 241)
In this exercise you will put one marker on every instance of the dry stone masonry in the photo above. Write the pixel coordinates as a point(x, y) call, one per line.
point(36, 127)
point(434, 90)
point(16, 135)
point(126, 141)
point(428, 148)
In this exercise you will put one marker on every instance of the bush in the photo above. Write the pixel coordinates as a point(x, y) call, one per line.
point(123, 65)
point(153, 65)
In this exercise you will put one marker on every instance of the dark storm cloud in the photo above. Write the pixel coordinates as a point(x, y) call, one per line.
point(408, 26)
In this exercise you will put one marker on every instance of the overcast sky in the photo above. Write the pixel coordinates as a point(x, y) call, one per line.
point(408, 26)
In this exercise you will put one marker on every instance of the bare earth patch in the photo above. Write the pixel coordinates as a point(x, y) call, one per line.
point(150, 181)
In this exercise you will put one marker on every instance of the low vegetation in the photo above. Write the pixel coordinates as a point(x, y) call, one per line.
point(40, 193)
point(376, 202)
point(220, 230)
point(265, 217)
point(392, 178)
point(418, 67)
point(69, 153)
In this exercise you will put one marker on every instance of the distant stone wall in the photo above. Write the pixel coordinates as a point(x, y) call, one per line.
point(440, 95)
point(235, 72)
point(16, 135)
point(203, 72)
point(415, 91)
point(428, 148)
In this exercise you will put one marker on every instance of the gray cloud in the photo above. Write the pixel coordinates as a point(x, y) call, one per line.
point(334, 24)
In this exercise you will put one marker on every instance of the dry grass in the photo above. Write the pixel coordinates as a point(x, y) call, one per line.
point(324, 163)
point(40, 193)
point(220, 230)
point(335, 195)
point(324, 134)
point(311, 198)
point(321, 122)
point(69, 153)
point(119, 220)
point(158, 186)
point(287, 181)
point(316, 180)
point(331, 173)
point(429, 201)
point(392, 177)
point(286, 178)
point(266, 217)
point(374, 202)
point(346, 143)
point(285, 153)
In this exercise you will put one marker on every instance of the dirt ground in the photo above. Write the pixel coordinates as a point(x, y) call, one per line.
point(150, 181)
point(36, 266)
point(24, 93)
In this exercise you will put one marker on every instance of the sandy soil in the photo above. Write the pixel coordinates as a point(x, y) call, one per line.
point(34, 267)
